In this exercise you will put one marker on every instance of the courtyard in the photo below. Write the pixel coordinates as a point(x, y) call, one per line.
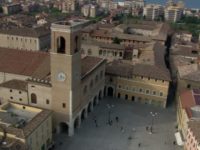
point(128, 132)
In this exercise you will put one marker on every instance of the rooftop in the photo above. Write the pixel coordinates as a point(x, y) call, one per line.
point(88, 64)
point(194, 127)
point(190, 101)
point(189, 72)
point(21, 120)
point(21, 62)
point(156, 70)
point(26, 32)
point(14, 115)
point(15, 84)
point(70, 23)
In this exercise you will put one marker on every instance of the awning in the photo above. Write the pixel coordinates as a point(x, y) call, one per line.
point(179, 139)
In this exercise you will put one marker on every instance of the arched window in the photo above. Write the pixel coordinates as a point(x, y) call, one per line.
point(100, 52)
point(96, 78)
point(61, 45)
point(76, 44)
point(101, 74)
point(85, 89)
point(91, 83)
point(89, 52)
point(33, 98)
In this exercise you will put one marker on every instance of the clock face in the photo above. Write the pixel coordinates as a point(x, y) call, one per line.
point(61, 76)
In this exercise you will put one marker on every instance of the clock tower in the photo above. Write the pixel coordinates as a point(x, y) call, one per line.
point(66, 70)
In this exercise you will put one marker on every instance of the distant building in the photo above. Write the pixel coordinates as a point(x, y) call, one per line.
point(184, 36)
point(173, 13)
point(24, 127)
point(153, 11)
point(89, 11)
point(93, 11)
point(68, 5)
point(12, 8)
point(33, 39)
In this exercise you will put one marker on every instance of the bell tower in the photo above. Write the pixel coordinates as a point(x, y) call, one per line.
point(65, 70)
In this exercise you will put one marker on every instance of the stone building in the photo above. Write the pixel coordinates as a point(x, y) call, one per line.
point(12, 8)
point(146, 82)
point(153, 11)
point(24, 127)
point(187, 109)
point(33, 39)
point(60, 81)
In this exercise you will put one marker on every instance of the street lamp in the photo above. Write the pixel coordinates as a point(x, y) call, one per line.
point(153, 114)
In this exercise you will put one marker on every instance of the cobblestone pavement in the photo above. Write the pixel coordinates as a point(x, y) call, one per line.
point(129, 133)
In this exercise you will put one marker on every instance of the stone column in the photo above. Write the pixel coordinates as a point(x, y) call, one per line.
point(71, 129)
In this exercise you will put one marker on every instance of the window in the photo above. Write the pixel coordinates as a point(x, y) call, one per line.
point(20, 99)
point(161, 94)
point(147, 91)
point(119, 86)
point(120, 54)
point(188, 86)
point(61, 45)
point(133, 98)
point(63, 105)
point(10, 90)
point(91, 83)
point(154, 92)
point(85, 89)
point(96, 78)
point(100, 52)
point(20, 92)
point(89, 52)
point(118, 95)
point(33, 98)
point(11, 97)
point(101, 74)
point(47, 101)
point(76, 44)
point(140, 90)
point(126, 97)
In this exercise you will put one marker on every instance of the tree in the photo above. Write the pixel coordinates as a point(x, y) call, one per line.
point(116, 40)
point(1, 9)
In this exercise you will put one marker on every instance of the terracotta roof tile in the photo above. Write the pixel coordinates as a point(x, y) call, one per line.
point(89, 63)
point(194, 127)
point(20, 62)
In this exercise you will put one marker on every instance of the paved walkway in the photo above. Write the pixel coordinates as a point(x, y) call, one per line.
point(127, 133)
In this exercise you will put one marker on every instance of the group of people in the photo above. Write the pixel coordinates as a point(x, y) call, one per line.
point(110, 122)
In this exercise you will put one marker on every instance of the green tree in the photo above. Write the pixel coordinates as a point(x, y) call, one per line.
point(1, 9)
point(116, 40)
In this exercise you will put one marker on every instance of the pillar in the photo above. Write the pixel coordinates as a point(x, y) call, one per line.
point(85, 113)
point(71, 129)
